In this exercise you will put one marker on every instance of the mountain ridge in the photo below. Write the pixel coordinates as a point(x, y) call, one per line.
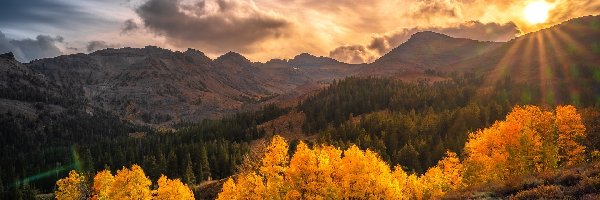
point(157, 86)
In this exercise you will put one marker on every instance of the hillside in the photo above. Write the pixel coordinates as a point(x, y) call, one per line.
point(560, 61)
point(427, 51)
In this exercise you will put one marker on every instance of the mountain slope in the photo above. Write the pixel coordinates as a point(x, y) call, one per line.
point(563, 60)
point(157, 86)
point(425, 51)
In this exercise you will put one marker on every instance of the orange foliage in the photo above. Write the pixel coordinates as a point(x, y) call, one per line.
point(323, 173)
point(529, 140)
point(126, 184)
point(172, 190)
point(71, 187)
point(103, 181)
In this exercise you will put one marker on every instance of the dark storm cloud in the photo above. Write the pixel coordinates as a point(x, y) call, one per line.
point(25, 50)
point(129, 25)
point(352, 54)
point(98, 45)
point(219, 25)
point(25, 13)
point(472, 30)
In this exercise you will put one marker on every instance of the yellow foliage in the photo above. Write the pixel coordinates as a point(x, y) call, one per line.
point(229, 191)
point(310, 175)
point(319, 173)
point(130, 184)
point(365, 175)
point(529, 140)
point(274, 165)
point(251, 186)
point(571, 130)
point(445, 176)
point(172, 190)
point(71, 187)
point(103, 181)
point(127, 184)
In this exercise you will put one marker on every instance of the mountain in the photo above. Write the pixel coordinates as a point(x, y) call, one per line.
point(157, 86)
point(429, 50)
point(426, 51)
point(308, 60)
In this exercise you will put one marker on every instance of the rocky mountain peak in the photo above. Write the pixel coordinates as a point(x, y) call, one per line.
point(8, 56)
point(428, 35)
point(233, 57)
point(306, 59)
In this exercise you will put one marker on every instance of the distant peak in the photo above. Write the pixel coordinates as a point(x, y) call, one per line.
point(428, 35)
point(306, 59)
point(305, 55)
point(8, 55)
point(232, 56)
point(191, 50)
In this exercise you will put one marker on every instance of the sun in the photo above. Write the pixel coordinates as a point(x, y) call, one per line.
point(537, 12)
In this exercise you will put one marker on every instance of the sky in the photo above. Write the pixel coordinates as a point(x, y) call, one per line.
point(353, 31)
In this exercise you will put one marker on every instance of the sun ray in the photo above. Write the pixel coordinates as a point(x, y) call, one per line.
point(547, 93)
point(500, 70)
point(565, 65)
point(573, 46)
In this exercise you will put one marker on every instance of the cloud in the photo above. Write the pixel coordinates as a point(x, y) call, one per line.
point(430, 9)
point(215, 25)
point(352, 54)
point(98, 45)
point(44, 13)
point(25, 50)
point(128, 26)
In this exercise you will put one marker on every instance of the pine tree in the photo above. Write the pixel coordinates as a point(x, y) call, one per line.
point(203, 165)
point(190, 178)
point(172, 164)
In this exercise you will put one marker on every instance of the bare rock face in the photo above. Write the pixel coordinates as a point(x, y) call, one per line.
point(156, 86)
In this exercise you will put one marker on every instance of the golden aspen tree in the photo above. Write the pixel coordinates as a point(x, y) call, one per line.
point(229, 190)
point(71, 187)
point(402, 180)
point(310, 175)
point(365, 175)
point(172, 190)
point(570, 131)
point(302, 176)
point(103, 181)
point(414, 187)
point(131, 184)
point(251, 186)
point(444, 177)
point(529, 140)
point(452, 170)
point(274, 165)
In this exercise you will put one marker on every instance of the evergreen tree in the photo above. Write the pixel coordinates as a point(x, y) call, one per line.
point(190, 178)
point(203, 165)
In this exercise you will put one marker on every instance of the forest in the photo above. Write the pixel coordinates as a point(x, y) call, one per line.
point(412, 126)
